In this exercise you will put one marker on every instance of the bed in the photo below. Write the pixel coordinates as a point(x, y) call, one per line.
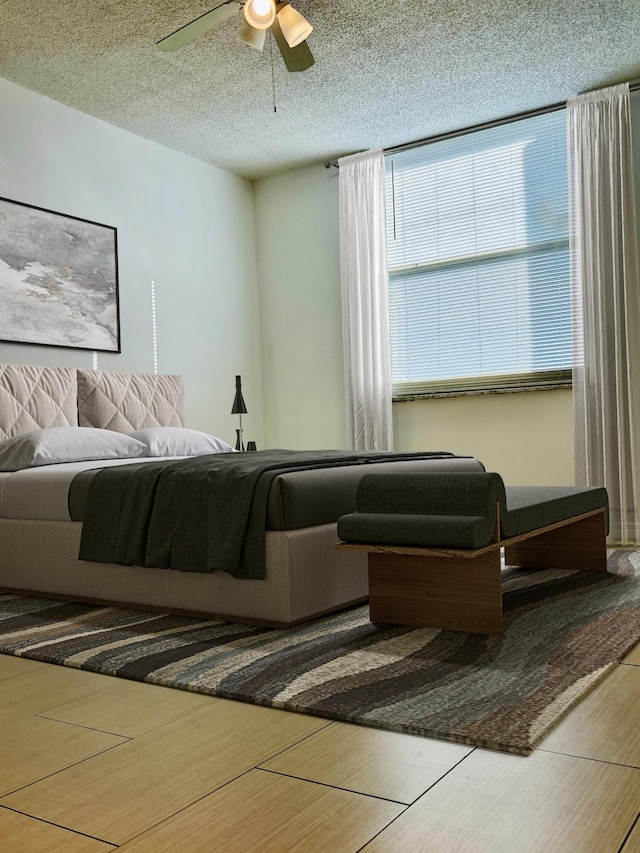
point(40, 526)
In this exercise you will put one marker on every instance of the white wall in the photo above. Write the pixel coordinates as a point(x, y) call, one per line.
point(526, 436)
point(300, 309)
point(181, 222)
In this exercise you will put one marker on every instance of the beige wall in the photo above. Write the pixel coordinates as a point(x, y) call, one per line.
point(527, 436)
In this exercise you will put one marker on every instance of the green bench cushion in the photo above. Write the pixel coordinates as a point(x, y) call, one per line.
point(456, 510)
point(424, 531)
point(530, 507)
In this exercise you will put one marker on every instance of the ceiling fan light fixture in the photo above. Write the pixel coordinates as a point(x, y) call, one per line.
point(295, 28)
point(260, 14)
point(251, 36)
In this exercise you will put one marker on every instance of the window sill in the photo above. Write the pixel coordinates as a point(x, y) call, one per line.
point(433, 395)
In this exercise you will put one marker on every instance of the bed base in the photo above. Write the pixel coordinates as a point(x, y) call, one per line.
point(304, 578)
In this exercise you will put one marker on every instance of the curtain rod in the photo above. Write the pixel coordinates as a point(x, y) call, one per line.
point(634, 86)
point(463, 131)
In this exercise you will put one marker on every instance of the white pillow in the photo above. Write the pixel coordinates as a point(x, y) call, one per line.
point(66, 444)
point(178, 441)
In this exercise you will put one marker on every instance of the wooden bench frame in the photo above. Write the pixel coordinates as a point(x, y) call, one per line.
point(460, 589)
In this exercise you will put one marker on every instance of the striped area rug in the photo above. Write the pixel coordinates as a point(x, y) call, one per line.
point(564, 632)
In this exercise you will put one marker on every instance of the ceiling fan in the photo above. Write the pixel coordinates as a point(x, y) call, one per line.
point(288, 26)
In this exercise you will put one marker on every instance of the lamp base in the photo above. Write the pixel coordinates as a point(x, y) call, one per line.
point(239, 443)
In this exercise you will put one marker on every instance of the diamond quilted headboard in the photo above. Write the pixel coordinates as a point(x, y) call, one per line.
point(36, 398)
point(128, 401)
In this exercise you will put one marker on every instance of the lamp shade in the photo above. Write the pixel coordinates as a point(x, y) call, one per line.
point(260, 13)
point(294, 27)
point(239, 407)
point(251, 36)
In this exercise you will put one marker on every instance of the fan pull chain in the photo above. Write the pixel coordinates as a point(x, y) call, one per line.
point(273, 73)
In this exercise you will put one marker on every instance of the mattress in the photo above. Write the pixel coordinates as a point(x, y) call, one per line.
point(42, 493)
point(298, 499)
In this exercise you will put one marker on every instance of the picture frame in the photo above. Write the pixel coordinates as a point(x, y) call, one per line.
point(58, 279)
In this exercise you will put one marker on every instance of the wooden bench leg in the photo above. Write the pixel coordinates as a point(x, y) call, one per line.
point(578, 545)
point(454, 593)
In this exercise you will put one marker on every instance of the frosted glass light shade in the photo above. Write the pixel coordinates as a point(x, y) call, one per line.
point(294, 27)
point(260, 13)
point(251, 36)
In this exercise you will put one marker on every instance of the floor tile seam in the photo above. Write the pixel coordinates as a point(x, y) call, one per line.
point(628, 835)
point(303, 738)
point(21, 674)
point(147, 828)
point(141, 734)
point(588, 758)
point(424, 793)
point(57, 772)
point(118, 681)
point(234, 778)
point(51, 708)
point(31, 711)
point(154, 728)
point(337, 787)
point(184, 808)
point(93, 728)
point(450, 770)
point(58, 825)
point(168, 817)
point(406, 806)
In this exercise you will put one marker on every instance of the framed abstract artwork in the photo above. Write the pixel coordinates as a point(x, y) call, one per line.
point(58, 279)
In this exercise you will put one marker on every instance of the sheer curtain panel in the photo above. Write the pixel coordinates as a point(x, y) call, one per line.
point(365, 302)
point(606, 287)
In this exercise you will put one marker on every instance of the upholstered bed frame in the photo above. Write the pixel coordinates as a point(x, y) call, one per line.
point(39, 397)
point(304, 574)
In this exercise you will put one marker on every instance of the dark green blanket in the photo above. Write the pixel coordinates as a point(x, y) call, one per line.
point(198, 514)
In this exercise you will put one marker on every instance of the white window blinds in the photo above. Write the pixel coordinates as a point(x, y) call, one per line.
point(478, 249)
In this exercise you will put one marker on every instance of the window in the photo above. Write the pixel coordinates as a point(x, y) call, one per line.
point(478, 249)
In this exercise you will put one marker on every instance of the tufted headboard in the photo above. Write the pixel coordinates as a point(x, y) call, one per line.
point(128, 401)
point(36, 398)
point(41, 397)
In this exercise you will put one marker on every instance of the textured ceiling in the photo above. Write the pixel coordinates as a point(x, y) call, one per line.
point(385, 73)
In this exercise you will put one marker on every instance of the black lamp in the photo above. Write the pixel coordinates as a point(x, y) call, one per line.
point(239, 408)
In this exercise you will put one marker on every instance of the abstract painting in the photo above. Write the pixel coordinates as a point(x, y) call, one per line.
point(58, 279)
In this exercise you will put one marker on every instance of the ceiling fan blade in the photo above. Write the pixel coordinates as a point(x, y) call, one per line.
point(297, 58)
point(190, 32)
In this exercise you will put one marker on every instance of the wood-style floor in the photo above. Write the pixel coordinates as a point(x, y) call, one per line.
point(90, 764)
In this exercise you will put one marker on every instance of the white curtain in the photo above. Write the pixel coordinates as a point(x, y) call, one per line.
point(365, 302)
point(606, 294)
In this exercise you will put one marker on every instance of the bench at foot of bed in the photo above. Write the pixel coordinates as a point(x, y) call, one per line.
point(434, 543)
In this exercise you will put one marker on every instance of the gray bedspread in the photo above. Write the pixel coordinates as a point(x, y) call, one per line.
point(199, 514)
